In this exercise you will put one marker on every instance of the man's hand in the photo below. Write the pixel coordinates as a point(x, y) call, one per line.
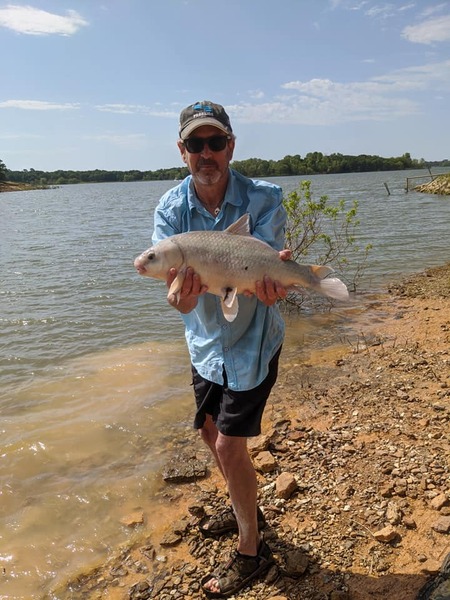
point(285, 254)
point(269, 291)
point(187, 297)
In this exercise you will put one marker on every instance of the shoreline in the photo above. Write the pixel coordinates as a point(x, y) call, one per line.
point(10, 186)
point(363, 431)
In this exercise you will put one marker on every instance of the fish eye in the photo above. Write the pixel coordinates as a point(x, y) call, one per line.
point(151, 255)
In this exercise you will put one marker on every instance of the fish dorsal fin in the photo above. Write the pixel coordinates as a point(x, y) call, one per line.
point(230, 304)
point(241, 226)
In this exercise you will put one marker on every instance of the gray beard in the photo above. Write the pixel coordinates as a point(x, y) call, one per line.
point(208, 178)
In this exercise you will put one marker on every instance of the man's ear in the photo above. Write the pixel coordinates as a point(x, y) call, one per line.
point(231, 144)
point(182, 149)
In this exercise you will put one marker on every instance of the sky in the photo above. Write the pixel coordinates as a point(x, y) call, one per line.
point(87, 84)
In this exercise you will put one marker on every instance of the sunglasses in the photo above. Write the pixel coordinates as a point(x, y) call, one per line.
point(216, 143)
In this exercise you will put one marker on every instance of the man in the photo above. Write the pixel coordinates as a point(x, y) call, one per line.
point(234, 365)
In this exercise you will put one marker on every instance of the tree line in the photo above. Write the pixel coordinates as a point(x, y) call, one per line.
point(314, 163)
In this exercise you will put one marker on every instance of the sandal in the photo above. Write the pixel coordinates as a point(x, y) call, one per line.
point(239, 571)
point(224, 522)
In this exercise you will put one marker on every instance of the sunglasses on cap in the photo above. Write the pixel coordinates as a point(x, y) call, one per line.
point(216, 143)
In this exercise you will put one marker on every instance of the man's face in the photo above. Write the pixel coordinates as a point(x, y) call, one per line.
point(208, 167)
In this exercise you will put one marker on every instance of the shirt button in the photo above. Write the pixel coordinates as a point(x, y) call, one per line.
point(226, 349)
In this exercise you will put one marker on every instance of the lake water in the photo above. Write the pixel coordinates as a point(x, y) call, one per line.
point(94, 378)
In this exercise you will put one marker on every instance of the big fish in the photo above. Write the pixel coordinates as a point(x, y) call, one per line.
point(230, 262)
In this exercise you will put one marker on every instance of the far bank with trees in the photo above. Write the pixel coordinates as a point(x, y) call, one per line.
point(314, 163)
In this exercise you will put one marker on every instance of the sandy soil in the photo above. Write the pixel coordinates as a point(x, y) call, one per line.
point(365, 430)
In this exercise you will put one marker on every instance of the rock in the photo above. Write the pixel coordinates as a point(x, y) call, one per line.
point(409, 522)
point(442, 525)
point(170, 539)
point(393, 513)
point(439, 501)
point(296, 563)
point(140, 591)
point(181, 526)
point(184, 469)
point(258, 444)
point(387, 490)
point(196, 509)
point(285, 485)
point(265, 462)
point(133, 519)
point(387, 534)
point(439, 185)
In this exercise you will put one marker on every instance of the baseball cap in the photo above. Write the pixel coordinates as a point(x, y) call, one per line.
point(203, 113)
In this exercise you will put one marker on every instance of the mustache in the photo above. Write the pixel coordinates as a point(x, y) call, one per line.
point(206, 162)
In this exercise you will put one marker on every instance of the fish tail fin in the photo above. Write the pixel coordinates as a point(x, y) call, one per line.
point(316, 278)
point(333, 288)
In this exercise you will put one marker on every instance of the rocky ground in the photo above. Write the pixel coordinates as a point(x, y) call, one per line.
point(439, 185)
point(353, 467)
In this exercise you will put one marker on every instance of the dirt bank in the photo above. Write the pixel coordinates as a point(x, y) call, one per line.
point(9, 186)
point(363, 430)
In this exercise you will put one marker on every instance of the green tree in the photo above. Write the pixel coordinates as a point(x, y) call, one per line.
point(2, 171)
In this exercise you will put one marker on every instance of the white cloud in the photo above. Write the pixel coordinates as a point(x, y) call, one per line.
point(433, 30)
point(433, 77)
point(131, 109)
point(325, 102)
point(383, 11)
point(123, 109)
point(34, 21)
point(431, 10)
point(371, 9)
point(256, 94)
point(135, 140)
point(37, 105)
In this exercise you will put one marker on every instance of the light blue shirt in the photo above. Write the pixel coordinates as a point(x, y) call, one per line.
point(245, 346)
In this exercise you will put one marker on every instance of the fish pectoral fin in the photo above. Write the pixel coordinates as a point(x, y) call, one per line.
point(176, 286)
point(230, 303)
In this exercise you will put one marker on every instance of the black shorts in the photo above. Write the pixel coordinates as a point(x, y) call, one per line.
point(234, 413)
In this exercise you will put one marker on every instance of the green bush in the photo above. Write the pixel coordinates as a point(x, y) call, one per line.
point(325, 234)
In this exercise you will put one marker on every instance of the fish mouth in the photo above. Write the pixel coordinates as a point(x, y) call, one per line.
point(140, 268)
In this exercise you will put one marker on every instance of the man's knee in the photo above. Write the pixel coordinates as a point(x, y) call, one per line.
point(231, 449)
point(208, 432)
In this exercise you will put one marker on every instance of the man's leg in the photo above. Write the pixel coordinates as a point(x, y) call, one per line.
point(231, 456)
point(234, 462)
point(240, 476)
